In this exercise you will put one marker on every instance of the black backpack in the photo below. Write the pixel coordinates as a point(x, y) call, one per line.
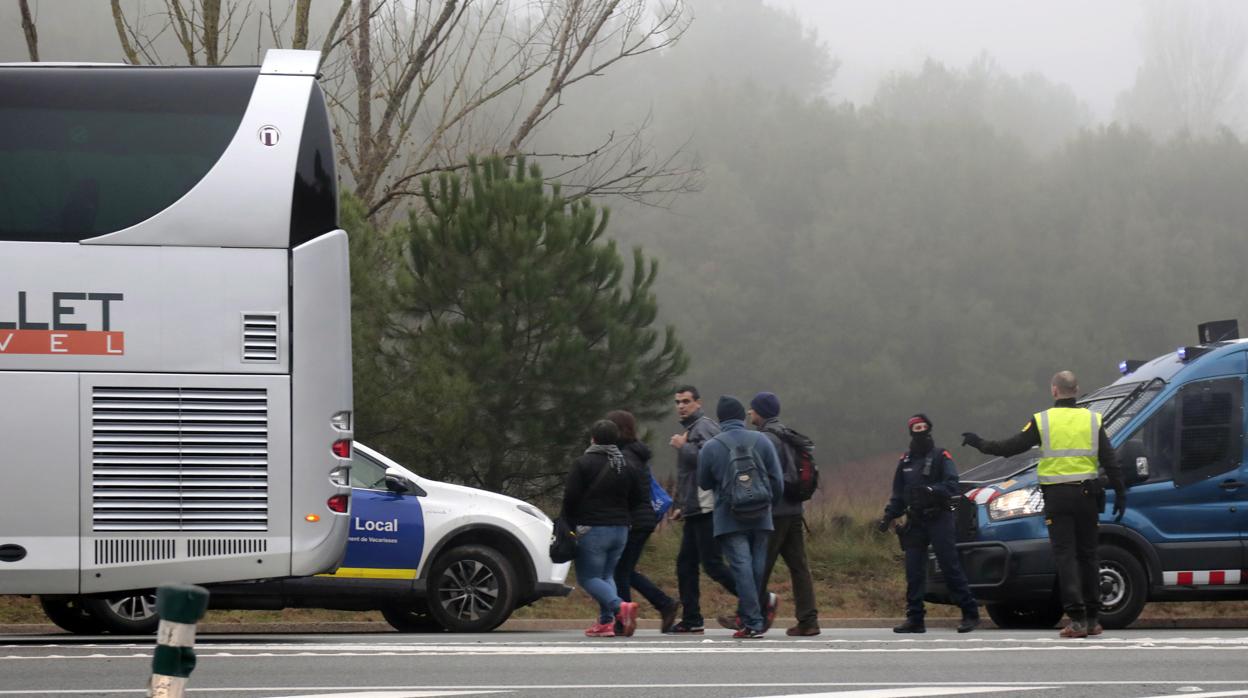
point(749, 493)
point(799, 485)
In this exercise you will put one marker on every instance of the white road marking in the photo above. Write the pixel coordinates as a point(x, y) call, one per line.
point(395, 694)
point(232, 651)
point(1217, 694)
point(916, 692)
point(961, 686)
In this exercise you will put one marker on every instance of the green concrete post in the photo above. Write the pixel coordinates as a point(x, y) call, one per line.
point(180, 607)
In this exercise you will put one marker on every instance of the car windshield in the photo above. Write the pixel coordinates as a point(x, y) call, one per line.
point(1116, 403)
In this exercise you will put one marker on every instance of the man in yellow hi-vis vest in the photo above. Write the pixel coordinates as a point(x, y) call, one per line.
point(1072, 443)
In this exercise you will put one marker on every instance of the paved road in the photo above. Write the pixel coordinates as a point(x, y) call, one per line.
point(857, 663)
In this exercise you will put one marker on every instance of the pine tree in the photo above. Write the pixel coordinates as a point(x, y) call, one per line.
point(519, 325)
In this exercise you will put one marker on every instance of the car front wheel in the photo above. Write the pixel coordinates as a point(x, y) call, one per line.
point(472, 589)
point(1124, 587)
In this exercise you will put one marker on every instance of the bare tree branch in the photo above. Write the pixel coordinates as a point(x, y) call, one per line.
point(29, 31)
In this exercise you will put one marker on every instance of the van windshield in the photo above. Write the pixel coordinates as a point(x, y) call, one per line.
point(1116, 403)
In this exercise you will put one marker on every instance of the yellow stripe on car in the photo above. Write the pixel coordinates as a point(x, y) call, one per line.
point(372, 573)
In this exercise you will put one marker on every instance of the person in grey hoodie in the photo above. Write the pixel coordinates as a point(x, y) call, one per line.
point(743, 537)
point(693, 505)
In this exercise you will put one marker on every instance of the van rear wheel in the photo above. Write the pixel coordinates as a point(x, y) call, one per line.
point(132, 613)
point(1020, 615)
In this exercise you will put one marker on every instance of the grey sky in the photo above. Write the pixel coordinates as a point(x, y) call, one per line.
point(1091, 46)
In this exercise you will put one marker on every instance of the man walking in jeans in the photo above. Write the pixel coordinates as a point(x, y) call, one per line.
point(693, 505)
point(734, 456)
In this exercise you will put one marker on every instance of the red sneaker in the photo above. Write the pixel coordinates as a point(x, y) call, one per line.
point(769, 612)
point(601, 630)
point(628, 617)
point(747, 634)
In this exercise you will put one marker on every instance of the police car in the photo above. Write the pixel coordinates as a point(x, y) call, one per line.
point(429, 555)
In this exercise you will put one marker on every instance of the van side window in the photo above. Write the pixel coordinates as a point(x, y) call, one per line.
point(367, 473)
point(1210, 429)
point(1155, 443)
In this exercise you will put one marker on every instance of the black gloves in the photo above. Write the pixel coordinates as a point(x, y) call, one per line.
point(882, 524)
point(970, 438)
point(1120, 505)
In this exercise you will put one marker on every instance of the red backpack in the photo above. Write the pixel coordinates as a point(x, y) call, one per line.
point(799, 485)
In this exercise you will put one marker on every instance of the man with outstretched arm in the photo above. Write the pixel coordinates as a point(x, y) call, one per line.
point(1072, 443)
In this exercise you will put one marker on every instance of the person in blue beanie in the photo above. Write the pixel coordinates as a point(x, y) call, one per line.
point(742, 468)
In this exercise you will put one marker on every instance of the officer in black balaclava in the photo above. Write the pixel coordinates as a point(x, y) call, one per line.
point(925, 483)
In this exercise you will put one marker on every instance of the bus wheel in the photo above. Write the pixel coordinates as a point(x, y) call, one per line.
point(1018, 615)
point(472, 589)
point(1124, 587)
point(129, 614)
point(411, 617)
point(68, 614)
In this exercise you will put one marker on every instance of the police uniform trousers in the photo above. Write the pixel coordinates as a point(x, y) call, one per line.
point(1070, 512)
point(938, 532)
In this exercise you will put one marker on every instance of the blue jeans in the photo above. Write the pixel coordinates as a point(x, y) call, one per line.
point(597, 552)
point(747, 559)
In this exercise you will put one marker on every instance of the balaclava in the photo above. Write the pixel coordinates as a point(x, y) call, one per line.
point(921, 442)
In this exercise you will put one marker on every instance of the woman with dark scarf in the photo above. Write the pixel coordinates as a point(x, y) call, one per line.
point(599, 497)
point(644, 521)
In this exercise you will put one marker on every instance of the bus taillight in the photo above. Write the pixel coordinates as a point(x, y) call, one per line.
point(338, 503)
point(342, 448)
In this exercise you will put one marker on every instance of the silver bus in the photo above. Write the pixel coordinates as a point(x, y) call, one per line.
point(175, 335)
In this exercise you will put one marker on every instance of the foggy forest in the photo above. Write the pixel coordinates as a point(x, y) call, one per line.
point(941, 242)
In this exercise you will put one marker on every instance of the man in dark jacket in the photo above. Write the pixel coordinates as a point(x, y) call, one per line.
point(735, 456)
point(694, 505)
point(788, 539)
point(925, 482)
point(1073, 443)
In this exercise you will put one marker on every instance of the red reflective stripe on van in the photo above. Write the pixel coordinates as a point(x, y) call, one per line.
point(1217, 577)
point(1185, 578)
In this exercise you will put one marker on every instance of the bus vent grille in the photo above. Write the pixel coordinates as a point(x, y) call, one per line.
point(180, 459)
point(260, 337)
point(213, 547)
point(113, 551)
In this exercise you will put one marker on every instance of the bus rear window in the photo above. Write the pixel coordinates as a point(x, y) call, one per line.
point(86, 151)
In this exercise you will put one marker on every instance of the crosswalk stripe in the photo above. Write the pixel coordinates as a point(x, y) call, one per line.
point(916, 692)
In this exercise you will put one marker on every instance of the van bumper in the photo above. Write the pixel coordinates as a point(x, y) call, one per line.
point(1019, 570)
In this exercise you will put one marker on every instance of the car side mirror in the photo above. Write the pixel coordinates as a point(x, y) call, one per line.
point(401, 485)
point(1134, 461)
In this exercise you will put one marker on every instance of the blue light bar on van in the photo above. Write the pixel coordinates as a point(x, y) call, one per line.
point(1127, 366)
point(1189, 353)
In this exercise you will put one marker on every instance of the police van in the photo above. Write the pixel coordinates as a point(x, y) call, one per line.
point(429, 555)
point(1177, 424)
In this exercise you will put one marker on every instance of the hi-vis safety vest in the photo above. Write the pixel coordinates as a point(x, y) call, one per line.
point(1069, 439)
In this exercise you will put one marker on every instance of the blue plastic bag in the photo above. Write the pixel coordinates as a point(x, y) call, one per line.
point(659, 499)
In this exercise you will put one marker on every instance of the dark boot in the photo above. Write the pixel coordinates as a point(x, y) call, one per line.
point(968, 623)
point(912, 625)
point(1094, 626)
